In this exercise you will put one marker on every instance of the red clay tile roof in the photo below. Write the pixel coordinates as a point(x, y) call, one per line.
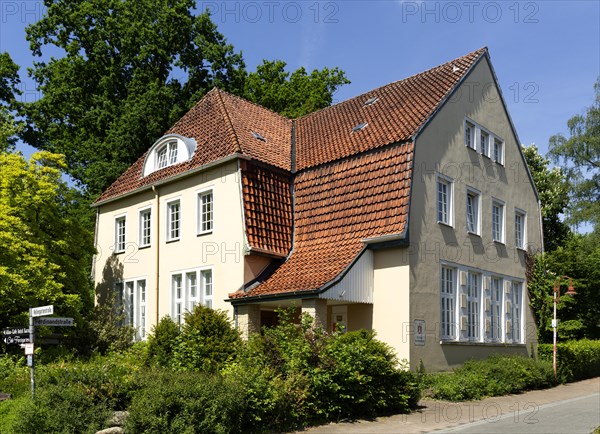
point(267, 196)
point(222, 125)
point(401, 109)
point(338, 205)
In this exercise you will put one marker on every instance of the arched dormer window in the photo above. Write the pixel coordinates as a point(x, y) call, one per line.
point(168, 150)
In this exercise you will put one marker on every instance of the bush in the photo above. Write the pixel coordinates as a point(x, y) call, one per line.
point(161, 342)
point(67, 408)
point(497, 375)
point(575, 360)
point(14, 375)
point(206, 342)
point(185, 402)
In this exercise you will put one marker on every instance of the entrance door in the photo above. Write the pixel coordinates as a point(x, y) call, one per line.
point(339, 318)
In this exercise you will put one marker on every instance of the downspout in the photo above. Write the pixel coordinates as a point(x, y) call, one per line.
point(94, 257)
point(157, 249)
point(541, 224)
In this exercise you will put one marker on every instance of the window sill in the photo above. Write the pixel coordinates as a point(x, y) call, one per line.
point(119, 252)
point(481, 344)
point(174, 240)
point(500, 242)
point(522, 249)
point(445, 224)
point(474, 234)
point(147, 246)
point(200, 234)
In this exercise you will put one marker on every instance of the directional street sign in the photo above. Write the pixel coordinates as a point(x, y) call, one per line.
point(15, 331)
point(16, 339)
point(42, 310)
point(53, 321)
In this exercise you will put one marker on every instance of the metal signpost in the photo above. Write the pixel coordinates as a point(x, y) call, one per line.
point(25, 336)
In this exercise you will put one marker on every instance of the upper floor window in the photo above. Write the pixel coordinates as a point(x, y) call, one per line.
point(498, 150)
point(168, 150)
point(469, 135)
point(119, 235)
point(497, 221)
point(473, 206)
point(520, 229)
point(484, 143)
point(173, 220)
point(205, 212)
point(145, 227)
point(444, 200)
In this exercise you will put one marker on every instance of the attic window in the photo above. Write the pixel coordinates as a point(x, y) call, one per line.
point(371, 101)
point(166, 155)
point(167, 151)
point(258, 136)
point(360, 126)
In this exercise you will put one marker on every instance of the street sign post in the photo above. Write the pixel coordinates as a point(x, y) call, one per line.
point(16, 339)
point(53, 321)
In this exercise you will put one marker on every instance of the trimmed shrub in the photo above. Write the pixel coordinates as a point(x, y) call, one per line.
point(185, 402)
point(206, 342)
point(497, 375)
point(161, 342)
point(575, 360)
point(66, 408)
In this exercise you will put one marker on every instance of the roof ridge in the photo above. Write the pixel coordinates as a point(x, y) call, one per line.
point(481, 51)
point(227, 118)
point(229, 94)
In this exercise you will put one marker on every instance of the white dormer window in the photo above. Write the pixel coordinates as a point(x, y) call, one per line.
point(170, 149)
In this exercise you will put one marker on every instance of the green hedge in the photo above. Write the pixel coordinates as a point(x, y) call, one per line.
point(495, 376)
point(575, 360)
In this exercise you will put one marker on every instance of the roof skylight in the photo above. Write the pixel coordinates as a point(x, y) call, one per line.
point(371, 101)
point(360, 126)
point(258, 136)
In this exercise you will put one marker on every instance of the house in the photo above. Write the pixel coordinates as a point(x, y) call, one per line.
point(408, 210)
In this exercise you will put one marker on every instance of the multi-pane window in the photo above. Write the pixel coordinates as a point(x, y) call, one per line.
point(472, 211)
point(469, 134)
point(498, 221)
point(207, 287)
point(145, 227)
point(178, 299)
point(520, 229)
point(473, 306)
point(517, 293)
point(444, 200)
point(166, 155)
point(496, 309)
point(484, 139)
point(190, 289)
point(132, 299)
point(498, 150)
point(173, 221)
point(119, 235)
point(447, 304)
point(205, 211)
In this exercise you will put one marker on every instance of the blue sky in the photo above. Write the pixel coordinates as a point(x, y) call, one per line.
point(546, 54)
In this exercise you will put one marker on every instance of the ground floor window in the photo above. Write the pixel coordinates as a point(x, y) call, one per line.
point(188, 289)
point(475, 308)
point(131, 297)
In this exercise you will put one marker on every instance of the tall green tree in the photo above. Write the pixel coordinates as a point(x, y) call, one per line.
point(44, 247)
point(580, 155)
point(553, 189)
point(130, 69)
point(296, 94)
point(9, 89)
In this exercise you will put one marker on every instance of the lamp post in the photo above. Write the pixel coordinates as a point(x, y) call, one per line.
point(570, 292)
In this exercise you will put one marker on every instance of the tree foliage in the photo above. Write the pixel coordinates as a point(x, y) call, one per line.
point(292, 95)
point(553, 189)
point(580, 155)
point(44, 247)
point(130, 69)
point(9, 82)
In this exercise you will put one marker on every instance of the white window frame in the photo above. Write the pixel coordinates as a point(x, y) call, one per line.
point(207, 286)
point(120, 233)
point(469, 136)
point(449, 211)
point(190, 288)
point(476, 208)
point(496, 302)
point(473, 306)
point(484, 142)
point(520, 244)
point(173, 234)
point(501, 235)
point(205, 225)
point(132, 295)
point(166, 155)
point(177, 297)
point(145, 231)
point(498, 150)
point(517, 312)
point(448, 303)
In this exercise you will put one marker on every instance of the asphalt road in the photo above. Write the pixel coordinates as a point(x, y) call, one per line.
point(572, 416)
